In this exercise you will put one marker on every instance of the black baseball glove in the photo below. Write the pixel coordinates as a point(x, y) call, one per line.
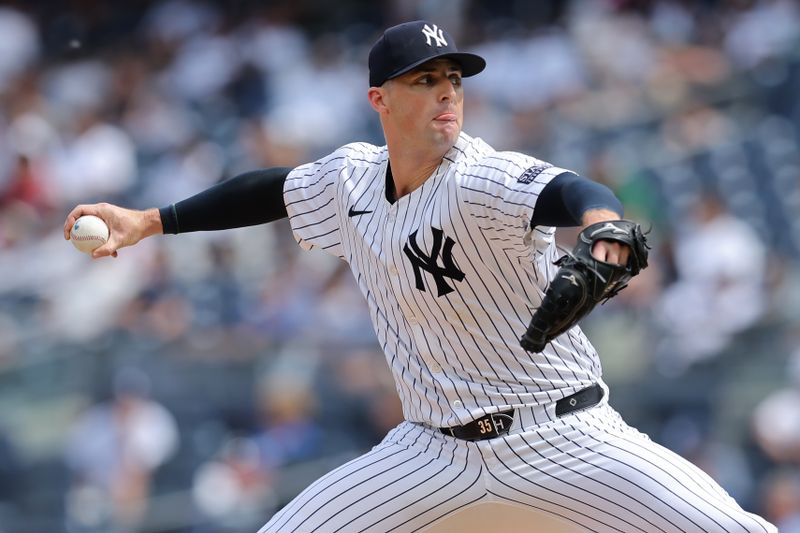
point(583, 281)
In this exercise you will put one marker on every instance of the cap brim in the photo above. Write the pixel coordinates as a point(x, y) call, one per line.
point(471, 64)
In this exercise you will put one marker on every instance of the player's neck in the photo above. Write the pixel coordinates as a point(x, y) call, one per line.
point(409, 171)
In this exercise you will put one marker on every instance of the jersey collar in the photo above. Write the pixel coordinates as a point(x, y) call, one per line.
point(458, 149)
point(451, 156)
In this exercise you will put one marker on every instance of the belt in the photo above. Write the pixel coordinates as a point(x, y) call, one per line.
point(497, 424)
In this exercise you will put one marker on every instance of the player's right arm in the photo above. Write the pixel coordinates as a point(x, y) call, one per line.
point(248, 199)
point(126, 227)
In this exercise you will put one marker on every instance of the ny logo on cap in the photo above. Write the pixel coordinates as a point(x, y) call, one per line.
point(433, 33)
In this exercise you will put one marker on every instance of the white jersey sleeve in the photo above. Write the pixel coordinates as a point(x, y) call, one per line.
point(310, 195)
point(500, 190)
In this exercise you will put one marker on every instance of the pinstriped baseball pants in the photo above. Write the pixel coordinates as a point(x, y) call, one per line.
point(589, 470)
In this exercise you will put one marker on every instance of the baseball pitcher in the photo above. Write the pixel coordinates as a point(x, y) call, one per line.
point(451, 242)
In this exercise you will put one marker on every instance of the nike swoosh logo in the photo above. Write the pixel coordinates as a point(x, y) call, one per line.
point(355, 212)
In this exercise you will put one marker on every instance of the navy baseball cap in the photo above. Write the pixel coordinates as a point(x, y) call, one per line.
point(408, 45)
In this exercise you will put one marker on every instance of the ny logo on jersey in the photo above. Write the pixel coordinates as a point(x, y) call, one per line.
point(433, 33)
point(430, 263)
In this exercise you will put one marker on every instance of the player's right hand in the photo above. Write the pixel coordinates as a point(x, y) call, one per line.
point(126, 227)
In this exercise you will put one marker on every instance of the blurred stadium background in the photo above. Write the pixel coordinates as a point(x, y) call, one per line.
point(197, 383)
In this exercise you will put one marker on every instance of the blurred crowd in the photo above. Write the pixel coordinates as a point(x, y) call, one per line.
point(196, 383)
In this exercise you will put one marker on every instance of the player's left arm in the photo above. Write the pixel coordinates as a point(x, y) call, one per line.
point(609, 252)
point(613, 252)
point(572, 200)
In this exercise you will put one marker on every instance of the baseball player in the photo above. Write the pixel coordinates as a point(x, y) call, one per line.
point(452, 244)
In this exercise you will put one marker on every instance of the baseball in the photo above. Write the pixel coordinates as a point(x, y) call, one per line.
point(88, 233)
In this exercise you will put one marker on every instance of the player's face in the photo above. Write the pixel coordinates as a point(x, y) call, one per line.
point(426, 105)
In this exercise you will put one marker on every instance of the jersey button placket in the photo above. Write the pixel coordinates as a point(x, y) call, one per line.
point(388, 228)
point(419, 335)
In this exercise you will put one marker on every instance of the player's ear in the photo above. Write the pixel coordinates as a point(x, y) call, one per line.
point(377, 98)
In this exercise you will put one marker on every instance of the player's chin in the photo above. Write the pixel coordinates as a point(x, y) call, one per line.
point(447, 131)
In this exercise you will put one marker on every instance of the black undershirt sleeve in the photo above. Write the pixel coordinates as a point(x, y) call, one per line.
point(246, 200)
point(565, 199)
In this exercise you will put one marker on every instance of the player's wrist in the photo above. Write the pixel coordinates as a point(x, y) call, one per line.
point(151, 221)
point(593, 216)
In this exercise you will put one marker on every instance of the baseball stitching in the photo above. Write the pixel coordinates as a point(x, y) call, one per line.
point(87, 238)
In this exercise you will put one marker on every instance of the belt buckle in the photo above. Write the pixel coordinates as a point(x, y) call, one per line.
point(494, 425)
point(486, 427)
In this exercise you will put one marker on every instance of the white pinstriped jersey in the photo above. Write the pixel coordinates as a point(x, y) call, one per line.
point(452, 273)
